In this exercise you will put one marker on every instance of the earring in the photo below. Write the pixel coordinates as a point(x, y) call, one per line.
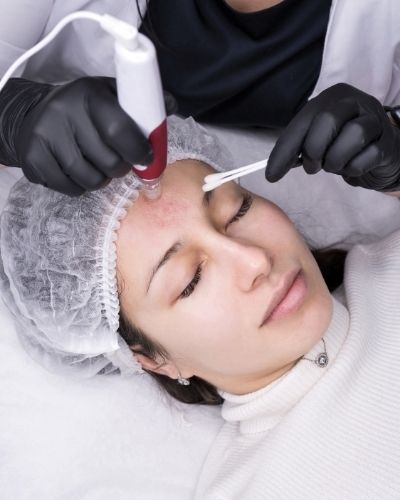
point(183, 381)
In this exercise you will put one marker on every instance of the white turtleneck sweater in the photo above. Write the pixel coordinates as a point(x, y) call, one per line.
point(324, 433)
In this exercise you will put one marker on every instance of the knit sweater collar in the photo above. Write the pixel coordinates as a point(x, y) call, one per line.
point(261, 410)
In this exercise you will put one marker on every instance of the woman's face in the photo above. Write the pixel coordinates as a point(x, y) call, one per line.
point(201, 274)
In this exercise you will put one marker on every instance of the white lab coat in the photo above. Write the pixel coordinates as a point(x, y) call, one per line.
point(362, 45)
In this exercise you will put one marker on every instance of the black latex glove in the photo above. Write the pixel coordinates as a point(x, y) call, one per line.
point(343, 131)
point(71, 138)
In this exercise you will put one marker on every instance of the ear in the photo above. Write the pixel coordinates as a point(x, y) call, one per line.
point(159, 365)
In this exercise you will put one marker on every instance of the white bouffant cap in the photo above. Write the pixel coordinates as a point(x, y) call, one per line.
point(58, 263)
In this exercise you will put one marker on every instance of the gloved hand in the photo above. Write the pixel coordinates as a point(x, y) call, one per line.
point(71, 138)
point(344, 131)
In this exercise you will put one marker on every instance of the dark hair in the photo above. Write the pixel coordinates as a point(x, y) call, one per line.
point(331, 264)
point(139, 11)
point(199, 391)
point(148, 25)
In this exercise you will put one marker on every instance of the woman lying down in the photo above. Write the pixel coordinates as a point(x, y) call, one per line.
point(220, 299)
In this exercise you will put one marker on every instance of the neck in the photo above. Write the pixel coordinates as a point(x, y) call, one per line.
point(248, 6)
point(242, 386)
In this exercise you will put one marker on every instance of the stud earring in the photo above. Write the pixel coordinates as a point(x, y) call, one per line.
point(183, 381)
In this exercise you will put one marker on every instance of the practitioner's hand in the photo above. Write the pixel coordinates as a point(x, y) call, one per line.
point(75, 137)
point(343, 131)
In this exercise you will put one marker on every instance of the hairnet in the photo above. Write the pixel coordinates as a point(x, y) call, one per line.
point(58, 263)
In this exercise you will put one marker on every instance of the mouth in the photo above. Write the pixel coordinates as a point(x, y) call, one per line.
point(287, 298)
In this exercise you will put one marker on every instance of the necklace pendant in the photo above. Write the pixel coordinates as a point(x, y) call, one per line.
point(322, 360)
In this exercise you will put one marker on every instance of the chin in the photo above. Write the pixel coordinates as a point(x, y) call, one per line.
point(308, 325)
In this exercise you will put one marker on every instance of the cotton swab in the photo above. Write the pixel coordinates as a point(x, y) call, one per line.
point(212, 181)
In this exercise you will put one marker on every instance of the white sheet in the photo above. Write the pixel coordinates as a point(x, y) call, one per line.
point(116, 439)
point(100, 439)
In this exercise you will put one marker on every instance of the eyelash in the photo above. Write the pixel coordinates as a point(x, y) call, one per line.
point(192, 285)
point(244, 207)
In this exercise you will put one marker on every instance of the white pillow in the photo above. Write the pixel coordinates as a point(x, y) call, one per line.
point(104, 438)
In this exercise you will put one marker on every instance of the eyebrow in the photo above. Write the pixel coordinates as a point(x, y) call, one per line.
point(172, 250)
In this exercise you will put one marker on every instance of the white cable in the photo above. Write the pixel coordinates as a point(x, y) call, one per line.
point(47, 39)
point(120, 30)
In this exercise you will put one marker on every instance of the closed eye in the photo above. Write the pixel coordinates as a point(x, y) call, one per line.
point(192, 285)
point(244, 208)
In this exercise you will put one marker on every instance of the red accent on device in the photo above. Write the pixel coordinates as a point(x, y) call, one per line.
point(158, 141)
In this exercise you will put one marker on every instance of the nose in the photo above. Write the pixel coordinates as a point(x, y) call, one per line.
point(249, 264)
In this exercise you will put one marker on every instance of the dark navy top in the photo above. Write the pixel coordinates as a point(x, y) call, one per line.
point(245, 69)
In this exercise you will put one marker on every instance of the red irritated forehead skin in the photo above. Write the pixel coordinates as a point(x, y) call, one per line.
point(178, 199)
point(166, 211)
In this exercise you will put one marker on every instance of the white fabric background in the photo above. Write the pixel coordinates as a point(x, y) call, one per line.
point(100, 439)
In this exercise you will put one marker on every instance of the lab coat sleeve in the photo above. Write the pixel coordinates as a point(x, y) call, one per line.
point(21, 25)
point(362, 48)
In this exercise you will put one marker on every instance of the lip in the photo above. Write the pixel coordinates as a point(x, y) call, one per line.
point(281, 294)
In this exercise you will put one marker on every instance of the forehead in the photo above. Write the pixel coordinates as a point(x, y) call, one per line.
point(149, 221)
point(181, 192)
point(151, 226)
point(166, 212)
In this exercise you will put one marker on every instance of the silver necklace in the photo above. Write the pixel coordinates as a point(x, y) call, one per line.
point(321, 359)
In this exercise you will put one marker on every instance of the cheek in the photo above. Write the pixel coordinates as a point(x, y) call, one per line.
point(197, 328)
